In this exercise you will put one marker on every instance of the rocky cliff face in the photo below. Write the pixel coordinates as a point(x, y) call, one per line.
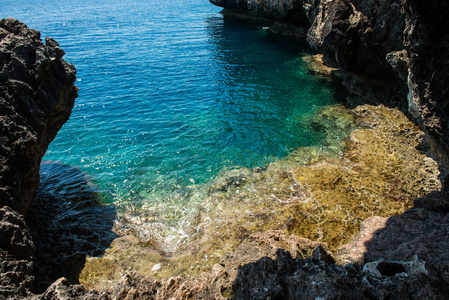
point(290, 11)
point(395, 49)
point(392, 52)
point(37, 94)
point(357, 41)
point(16, 255)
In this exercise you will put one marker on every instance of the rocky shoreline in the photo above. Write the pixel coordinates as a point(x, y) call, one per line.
point(389, 52)
point(316, 196)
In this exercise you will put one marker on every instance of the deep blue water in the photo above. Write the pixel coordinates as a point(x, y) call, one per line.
point(172, 92)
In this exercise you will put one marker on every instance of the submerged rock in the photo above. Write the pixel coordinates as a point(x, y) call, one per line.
point(320, 196)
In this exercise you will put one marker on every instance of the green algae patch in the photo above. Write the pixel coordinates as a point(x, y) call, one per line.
point(368, 165)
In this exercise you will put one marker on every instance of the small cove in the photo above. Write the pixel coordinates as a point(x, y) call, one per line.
point(172, 94)
point(199, 129)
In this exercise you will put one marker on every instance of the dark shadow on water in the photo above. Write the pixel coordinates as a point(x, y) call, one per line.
point(245, 46)
point(67, 223)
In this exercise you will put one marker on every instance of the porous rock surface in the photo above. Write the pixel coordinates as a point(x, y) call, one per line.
point(37, 94)
point(16, 255)
point(392, 52)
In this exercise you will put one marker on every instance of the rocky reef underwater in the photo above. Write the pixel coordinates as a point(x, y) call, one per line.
point(364, 218)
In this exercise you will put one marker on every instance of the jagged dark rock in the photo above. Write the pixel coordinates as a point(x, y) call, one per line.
point(289, 11)
point(416, 234)
point(62, 289)
point(391, 49)
point(287, 278)
point(356, 37)
point(16, 255)
point(37, 94)
point(268, 271)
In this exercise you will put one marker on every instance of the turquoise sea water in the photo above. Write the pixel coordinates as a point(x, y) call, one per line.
point(173, 92)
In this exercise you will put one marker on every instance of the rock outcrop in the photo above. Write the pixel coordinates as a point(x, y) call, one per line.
point(16, 255)
point(289, 11)
point(391, 52)
point(396, 50)
point(37, 94)
point(271, 265)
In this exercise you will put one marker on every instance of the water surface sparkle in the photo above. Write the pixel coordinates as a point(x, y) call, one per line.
point(172, 93)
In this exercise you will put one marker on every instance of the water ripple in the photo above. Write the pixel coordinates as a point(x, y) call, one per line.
point(172, 92)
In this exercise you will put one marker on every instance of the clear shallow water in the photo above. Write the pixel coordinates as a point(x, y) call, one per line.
point(172, 92)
